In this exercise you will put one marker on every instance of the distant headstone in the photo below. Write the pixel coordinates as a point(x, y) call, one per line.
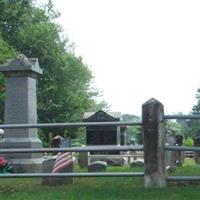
point(47, 167)
point(83, 159)
point(137, 163)
point(111, 161)
point(197, 154)
point(179, 154)
point(132, 141)
point(170, 156)
point(97, 166)
point(179, 140)
point(115, 161)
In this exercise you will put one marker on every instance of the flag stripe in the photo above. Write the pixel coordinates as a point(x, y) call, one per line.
point(62, 161)
point(62, 155)
point(61, 166)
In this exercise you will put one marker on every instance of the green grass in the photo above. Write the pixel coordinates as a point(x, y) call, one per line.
point(116, 188)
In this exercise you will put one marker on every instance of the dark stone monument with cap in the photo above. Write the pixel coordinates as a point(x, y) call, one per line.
point(21, 108)
point(104, 135)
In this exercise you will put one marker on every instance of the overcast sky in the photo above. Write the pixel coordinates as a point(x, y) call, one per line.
point(138, 49)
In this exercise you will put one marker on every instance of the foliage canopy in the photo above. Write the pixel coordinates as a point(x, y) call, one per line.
point(64, 89)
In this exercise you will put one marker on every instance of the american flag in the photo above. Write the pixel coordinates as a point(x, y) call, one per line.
point(62, 161)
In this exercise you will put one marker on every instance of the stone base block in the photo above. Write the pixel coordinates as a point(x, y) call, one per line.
point(21, 143)
point(27, 165)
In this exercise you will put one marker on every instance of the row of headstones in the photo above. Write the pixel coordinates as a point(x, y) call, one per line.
point(174, 158)
point(96, 166)
point(84, 160)
point(48, 164)
point(93, 166)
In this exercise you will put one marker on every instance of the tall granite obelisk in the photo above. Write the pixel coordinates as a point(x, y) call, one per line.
point(21, 108)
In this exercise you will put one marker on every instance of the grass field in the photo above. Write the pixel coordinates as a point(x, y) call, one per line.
point(116, 188)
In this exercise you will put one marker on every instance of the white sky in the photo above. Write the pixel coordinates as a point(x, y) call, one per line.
point(138, 49)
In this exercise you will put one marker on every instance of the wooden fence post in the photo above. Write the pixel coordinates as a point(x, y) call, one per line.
point(154, 144)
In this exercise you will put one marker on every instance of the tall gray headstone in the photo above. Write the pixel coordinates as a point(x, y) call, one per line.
point(21, 108)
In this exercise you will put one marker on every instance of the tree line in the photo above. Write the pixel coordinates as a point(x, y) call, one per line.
point(64, 90)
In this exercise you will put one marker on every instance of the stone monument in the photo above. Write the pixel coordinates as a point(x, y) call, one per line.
point(105, 135)
point(21, 108)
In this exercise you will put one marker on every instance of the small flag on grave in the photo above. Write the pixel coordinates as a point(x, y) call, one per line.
point(62, 161)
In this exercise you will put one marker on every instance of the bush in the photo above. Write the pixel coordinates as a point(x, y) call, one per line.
point(188, 142)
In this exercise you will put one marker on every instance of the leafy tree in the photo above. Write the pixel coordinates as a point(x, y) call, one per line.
point(64, 91)
point(188, 128)
point(174, 127)
point(194, 125)
point(133, 132)
point(188, 142)
point(13, 14)
point(181, 127)
point(196, 108)
point(6, 52)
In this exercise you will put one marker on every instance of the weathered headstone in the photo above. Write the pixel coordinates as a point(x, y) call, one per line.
point(179, 154)
point(47, 167)
point(83, 159)
point(21, 108)
point(97, 166)
point(179, 140)
point(170, 156)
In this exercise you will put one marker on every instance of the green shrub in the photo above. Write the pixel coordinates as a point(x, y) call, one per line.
point(188, 142)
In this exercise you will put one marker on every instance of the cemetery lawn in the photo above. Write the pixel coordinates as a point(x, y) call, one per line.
point(116, 188)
